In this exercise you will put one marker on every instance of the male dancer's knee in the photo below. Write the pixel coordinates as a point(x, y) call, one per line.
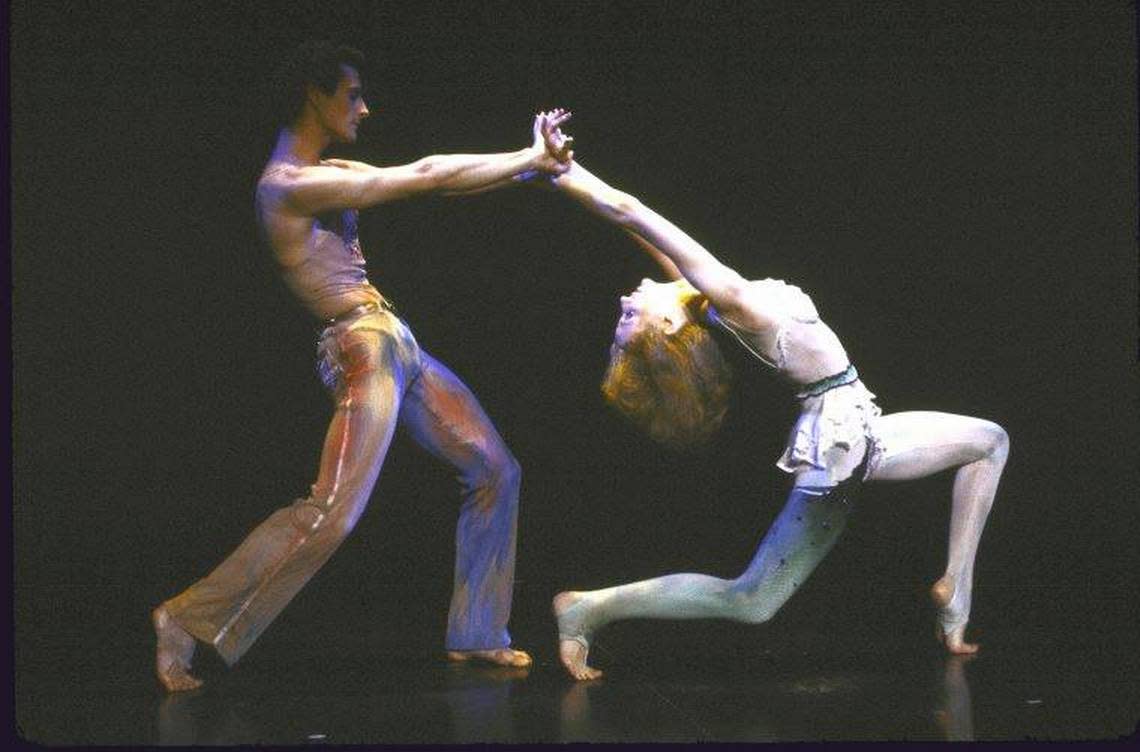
point(507, 477)
point(496, 477)
point(308, 516)
point(316, 514)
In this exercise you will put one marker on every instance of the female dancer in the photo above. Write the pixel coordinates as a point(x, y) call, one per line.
point(667, 375)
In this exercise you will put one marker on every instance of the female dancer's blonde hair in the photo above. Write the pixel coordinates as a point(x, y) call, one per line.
point(675, 387)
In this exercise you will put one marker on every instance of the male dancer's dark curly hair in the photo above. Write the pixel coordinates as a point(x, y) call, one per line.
point(317, 63)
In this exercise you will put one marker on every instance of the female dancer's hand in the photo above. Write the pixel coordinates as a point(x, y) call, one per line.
point(555, 145)
point(551, 147)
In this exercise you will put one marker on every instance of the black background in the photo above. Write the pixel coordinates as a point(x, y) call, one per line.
point(955, 186)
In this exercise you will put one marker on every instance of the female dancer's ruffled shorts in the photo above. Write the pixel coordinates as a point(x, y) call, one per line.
point(839, 417)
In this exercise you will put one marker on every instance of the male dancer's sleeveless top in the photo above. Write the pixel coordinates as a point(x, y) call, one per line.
point(836, 409)
point(330, 278)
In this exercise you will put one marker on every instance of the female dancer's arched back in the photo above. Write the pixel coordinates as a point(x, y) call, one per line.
point(667, 376)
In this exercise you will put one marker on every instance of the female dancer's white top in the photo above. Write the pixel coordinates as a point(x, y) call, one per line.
point(836, 409)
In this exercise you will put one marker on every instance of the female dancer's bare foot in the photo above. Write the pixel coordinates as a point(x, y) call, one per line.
point(572, 645)
point(173, 650)
point(499, 656)
point(954, 638)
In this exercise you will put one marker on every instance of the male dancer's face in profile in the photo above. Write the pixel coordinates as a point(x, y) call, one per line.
point(341, 112)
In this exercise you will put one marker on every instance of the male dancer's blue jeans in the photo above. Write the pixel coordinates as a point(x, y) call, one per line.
point(379, 377)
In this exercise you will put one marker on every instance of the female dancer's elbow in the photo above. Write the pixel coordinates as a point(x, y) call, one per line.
point(622, 209)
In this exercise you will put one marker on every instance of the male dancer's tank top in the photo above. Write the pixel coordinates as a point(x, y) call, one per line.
point(801, 347)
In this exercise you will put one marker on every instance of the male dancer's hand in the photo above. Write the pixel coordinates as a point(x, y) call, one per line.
point(552, 146)
point(555, 145)
point(558, 143)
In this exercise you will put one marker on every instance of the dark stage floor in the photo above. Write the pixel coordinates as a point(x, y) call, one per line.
point(1051, 668)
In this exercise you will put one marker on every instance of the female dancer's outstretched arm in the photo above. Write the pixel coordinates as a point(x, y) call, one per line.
point(667, 266)
point(721, 284)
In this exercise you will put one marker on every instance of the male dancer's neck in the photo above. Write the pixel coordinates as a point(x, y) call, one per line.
point(300, 145)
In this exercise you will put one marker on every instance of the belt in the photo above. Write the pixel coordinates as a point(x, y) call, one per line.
point(359, 310)
point(826, 384)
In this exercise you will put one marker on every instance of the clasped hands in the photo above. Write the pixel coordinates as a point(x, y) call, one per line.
point(554, 149)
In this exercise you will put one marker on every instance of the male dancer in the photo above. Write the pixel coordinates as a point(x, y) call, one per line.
point(378, 375)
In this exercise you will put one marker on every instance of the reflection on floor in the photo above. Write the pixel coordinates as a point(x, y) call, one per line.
point(492, 705)
point(665, 682)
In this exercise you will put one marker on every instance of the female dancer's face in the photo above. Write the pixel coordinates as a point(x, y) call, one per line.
point(652, 304)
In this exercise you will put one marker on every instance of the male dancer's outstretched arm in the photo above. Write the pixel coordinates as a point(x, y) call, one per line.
point(309, 188)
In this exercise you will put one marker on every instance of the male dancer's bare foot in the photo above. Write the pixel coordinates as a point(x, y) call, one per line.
point(173, 651)
point(499, 656)
point(572, 646)
point(942, 593)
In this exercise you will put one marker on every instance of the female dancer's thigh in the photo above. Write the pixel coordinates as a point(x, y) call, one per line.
point(919, 443)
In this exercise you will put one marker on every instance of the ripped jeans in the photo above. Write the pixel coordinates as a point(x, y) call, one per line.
point(379, 377)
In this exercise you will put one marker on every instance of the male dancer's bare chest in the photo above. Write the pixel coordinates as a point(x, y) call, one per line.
point(337, 232)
